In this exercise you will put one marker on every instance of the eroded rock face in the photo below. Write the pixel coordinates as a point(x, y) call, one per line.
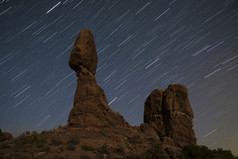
point(84, 52)
point(172, 114)
point(90, 105)
point(153, 112)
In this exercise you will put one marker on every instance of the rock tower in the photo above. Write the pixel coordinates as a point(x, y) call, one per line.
point(90, 105)
point(170, 114)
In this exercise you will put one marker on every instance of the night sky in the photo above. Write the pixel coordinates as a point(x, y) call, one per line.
point(141, 45)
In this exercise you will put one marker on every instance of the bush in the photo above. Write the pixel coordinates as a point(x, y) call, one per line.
point(103, 150)
point(133, 139)
point(5, 136)
point(133, 156)
point(73, 141)
point(99, 156)
point(56, 142)
point(46, 149)
point(4, 146)
point(40, 145)
point(60, 157)
point(155, 152)
point(29, 138)
point(1, 156)
point(223, 154)
point(85, 157)
point(87, 148)
point(119, 150)
point(17, 156)
point(196, 152)
point(71, 147)
point(60, 149)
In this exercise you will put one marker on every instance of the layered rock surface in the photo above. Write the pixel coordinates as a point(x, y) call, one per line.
point(170, 114)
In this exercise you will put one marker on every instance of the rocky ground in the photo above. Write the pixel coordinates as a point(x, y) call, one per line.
point(72, 143)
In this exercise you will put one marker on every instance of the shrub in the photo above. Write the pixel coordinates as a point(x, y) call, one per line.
point(99, 156)
point(133, 156)
point(85, 157)
point(156, 151)
point(5, 136)
point(119, 150)
point(60, 157)
point(223, 154)
point(73, 141)
point(46, 149)
point(4, 146)
point(71, 147)
point(60, 149)
point(29, 138)
point(56, 142)
point(17, 156)
point(133, 139)
point(87, 148)
point(17, 148)
point(39, 145)
point(103, 150)
point(196, 152)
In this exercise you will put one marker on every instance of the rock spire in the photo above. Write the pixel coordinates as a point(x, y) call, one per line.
point(90, 104)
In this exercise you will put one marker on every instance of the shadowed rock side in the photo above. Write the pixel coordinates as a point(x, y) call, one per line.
point(90, 104)
point(170, 114)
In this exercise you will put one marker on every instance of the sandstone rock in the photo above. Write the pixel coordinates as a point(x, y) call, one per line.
point(153, 112)
point(176, 100)
point(84, 52)
point(172, 114)
point(90, 105)
point(179, 115)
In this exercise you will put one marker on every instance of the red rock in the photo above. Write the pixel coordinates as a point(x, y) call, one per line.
point(172, 114)
point(90, 105)
point(84, 52)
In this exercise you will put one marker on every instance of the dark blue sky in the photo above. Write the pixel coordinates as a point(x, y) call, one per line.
point(142, 45)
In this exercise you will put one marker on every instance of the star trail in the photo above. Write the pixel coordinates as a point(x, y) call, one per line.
point(141, 45)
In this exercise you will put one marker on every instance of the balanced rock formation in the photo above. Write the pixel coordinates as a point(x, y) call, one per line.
point(170, 114)
point(167, 115)
point(84, 52)
point(103, 133)
point(90, 104)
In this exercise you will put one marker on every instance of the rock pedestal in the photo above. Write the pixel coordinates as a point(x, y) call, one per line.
point(90, 105)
